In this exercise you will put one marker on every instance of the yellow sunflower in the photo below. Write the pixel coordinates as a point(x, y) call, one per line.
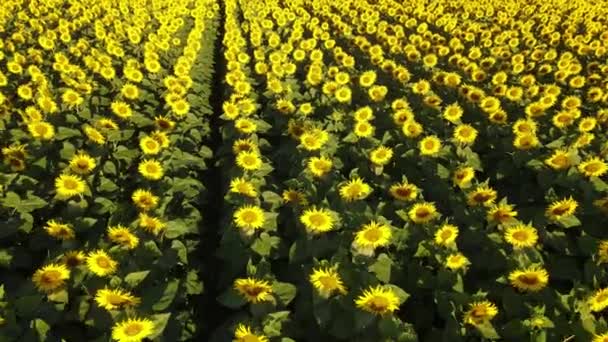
point(249, 160)
point(144, 199)
point(132, 330)
point(559, 160)
point(381, 155)
point(355, 189)
point(456, 261)
point(423, 212)
point(151, 169)
point(480, 312)
point(404, 191)
point(482, 195)
point(101, 264)
point(51, 277)
point(319, 166)
point(463, 176)
point(501, 213)
point(123, 236)
point(533, 279)
point(599, 300)
point(149, 145)
point(372, 236)
point(41, 130)
point(112, 299)
point(248, 218)
point(69, 185)
point(327, 281)
point(429, 146)
point(244, 333)
point(563, 208)
point(378, 300)
point(465, 134)
point(593, 167)
point(446, 235)
point(317, 221)
point(82, 164)
point(254, 290)
point(242, 186)
point(521, 236)
point(58, 230)
point(151, 224)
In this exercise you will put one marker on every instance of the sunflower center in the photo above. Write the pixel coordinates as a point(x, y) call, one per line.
point(372, 235)
point(403, 192)
point(445, 235)
point(528, 279)
point(593, 167)
point(50, 277)
point(558, 211)
point(70, 184)
point(133, 329)
point(429, 145)
point(317, 219)
point(103, 262)
point(328, 282)
point(602, 297)
point(423, 212)
point(378, 303)
point(41, 129)
point(249, 216)
point(249, 160)
point(151, 144)
point(114, 299)
point(520, 235)
point(481, 197)
point(151, 168)
point(254, 291)
point(82, 164)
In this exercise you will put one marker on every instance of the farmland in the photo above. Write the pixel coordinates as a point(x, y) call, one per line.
point(303, 170)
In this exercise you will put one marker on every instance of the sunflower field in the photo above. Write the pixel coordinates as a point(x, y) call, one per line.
point(303, 170)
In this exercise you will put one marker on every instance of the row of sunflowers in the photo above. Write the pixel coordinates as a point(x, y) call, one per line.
point(103, 127)
point(401, 171)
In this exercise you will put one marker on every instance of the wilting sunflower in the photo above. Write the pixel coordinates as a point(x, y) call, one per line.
point(151, 169)
point(101, 264)
point(599, 300)
point(381, 155)
point(132, 330)
point(372, 236)
point(482, 195)
point(423, 212)
point(355, 189)
point(244, 333)
point(480, 312)
point(123, 236)
point(144, 199)
point(319, 166)
point(112, 299)
point(317, 221)
point(51, 277)
point(533, 279)
point(378, 300)
point(593, 167)
point(404, 191)
point(69, 185)
point(560, 209)
point(58, 230)
point(254, 290)
point(82, 164)
point(248, 218)
point(249, 160)
point(429, 146)
point(327, 281)
point(242, 186)
point(446, 235)
point(521, 236)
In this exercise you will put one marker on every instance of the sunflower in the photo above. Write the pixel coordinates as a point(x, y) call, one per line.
point(317, 221)
point(82, 163)
point(429, 146)
point(151, 224)
point(327, 281)
point(378, 300)
point(58, 230)
point(501, 213)
point(94, 135)
point(319, 166)
point(525, 141)
point(121, 109)
point(367, 79)
point(41, 130)
point(130, 91)
point(381, 155)
point(149, 145)
point(372, 236)
point(465, 134)
point(151, 169)
point(593, 167)
point(254, 290)
point(456, 261)
point(245, 126)
point(114, 299)
point(521, 236)
point(243, 333)
point(532, 279)
point(412, 129)
point(100, 263)
point(463, 176)
point(71, 98)
point(453, 113)
point(249, 161)
point(123, 236)
point(480, 312)
point(559, 160)
point(404, 191)
point(73, 258)
point(423, 212)
point(482, 195)
point(600, 338)
point(107, 124)
point(51, 277)
point(446, 235)
point(313, 139)
point(69, 185)
point(343, 94)
point(364, 114)
point(144, 199)
point(242, 186)
point(559, 209)
point(132, 330)
point(364, 129)
point(599, 300)
point(602, 252)
point(248, 218)
point(294, 196)
point(355, 189)
point(164, 123)
point(524, 126)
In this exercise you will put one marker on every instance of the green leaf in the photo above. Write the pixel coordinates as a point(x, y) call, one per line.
point(178, 228)
point(193, 284)
point(42, 329)
point(487, 330)
point(265, 243)
point(402, 295)
point(133, 279)
point(180, 248)
point(160, 322)
point(167, 297)
point(284, 292)
point(443, 172)
point(382, 268)
point(107, 185)
point(66, 133)
point(570, 221)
